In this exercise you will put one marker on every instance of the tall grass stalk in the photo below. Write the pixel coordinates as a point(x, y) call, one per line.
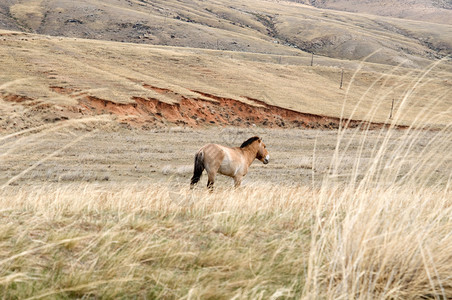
point(387, 231)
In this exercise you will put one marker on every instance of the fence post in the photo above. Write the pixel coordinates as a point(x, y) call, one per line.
point(342, 78)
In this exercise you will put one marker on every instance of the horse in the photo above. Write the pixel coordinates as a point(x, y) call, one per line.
point(232, 162)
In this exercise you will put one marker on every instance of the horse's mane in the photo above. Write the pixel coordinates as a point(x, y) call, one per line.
point(249, 141)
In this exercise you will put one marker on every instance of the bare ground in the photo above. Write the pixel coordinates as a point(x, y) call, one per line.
point(300, 157)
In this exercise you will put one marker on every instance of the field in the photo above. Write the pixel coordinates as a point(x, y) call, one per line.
point(254, 26)
point(108, 213)
point(103, 105)
point(94, 206)
point(166, 155)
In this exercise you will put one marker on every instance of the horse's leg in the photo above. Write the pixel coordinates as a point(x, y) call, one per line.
point(210, 179)
point(238, 180)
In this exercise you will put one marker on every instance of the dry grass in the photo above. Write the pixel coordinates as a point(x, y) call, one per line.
point(258, 26)
point(88, 210)
point(261, 59)
point(375, 223)
point(435, 11)
point(30, 13)
point(262, 241)
point(166, 155)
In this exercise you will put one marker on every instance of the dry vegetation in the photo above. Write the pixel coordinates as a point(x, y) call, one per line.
point(92, 210)
point(91, 240)
point(108, 213)
point(166, 155)
point(95, 202)
point(259, 26)
point(434, 11)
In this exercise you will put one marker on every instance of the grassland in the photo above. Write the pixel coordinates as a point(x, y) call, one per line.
point(109, 241)
point(108, 213)
point(94, 206)
point(107, 154)
point(167, 51)
point(436, 11)
point(90, 209)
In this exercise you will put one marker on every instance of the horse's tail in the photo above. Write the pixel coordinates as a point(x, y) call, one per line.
point(199, 168)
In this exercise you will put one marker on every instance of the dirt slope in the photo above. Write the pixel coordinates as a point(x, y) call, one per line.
point(47, 79)
point(195, 112)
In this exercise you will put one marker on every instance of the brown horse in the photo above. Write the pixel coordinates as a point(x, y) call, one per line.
point(232, 162)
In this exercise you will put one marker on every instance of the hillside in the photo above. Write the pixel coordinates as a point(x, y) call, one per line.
point(105, 105)
point(433, 11)
point(196, 63)
point(49, 79)
point(276, 27)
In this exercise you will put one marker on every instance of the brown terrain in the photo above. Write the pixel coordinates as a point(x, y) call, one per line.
point(51, 80)
point(194, 63)
point(104, 103)
point(192, 112)
point(436, 11)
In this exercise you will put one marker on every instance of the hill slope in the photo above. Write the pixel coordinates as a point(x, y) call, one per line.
point(276, 27)
point(48, 79)
point(151, 62)
point(433, 11)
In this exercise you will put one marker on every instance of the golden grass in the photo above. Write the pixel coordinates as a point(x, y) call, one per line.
point(29, 14)
point(372, 221)
point(379, 229)
point(261, 241)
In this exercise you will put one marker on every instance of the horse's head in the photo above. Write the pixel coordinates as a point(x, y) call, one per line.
point(262, 153)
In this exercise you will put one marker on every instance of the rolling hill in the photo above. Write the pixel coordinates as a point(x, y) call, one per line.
point(275, 27)
point(104, 103)
point(433, 11)
point(189, 62)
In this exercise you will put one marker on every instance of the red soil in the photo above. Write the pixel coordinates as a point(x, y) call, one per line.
point(16, 98)
point(194, 112)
